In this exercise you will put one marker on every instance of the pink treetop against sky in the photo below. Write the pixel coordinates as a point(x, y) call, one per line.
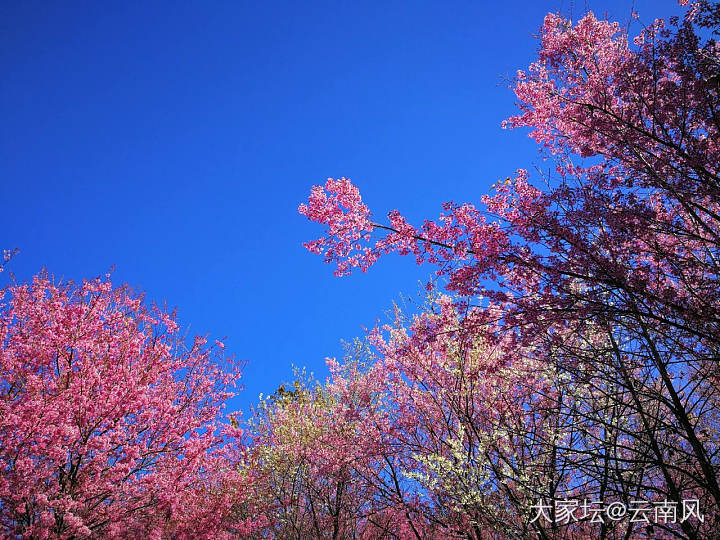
point(580, 70)
point(110, 425)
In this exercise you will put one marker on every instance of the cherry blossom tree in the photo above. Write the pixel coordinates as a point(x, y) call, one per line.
point(592, 292)
point(321, 458)
point(110, 425)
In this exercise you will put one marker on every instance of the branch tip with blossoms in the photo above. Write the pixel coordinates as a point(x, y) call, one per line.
point(7, 255)
point(461, 242)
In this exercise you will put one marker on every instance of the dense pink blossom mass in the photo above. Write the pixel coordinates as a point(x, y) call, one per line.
point(560, 381)
point(109, 425)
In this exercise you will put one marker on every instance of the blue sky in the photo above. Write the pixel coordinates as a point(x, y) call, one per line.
point(174, 141)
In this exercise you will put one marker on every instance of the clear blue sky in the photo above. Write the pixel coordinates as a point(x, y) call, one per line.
point(174, 141)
